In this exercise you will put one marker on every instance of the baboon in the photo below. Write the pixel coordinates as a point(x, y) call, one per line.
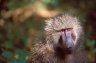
point(64, 42)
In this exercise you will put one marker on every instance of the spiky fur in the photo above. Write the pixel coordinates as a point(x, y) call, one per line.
point(44, 52)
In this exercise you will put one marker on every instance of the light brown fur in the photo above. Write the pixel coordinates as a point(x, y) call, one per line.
point(45, 53)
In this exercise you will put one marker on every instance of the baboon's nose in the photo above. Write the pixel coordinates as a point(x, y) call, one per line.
point(66, 39)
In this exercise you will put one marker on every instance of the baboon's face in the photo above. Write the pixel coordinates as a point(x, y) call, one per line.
point(65, 30)
point(64, 38)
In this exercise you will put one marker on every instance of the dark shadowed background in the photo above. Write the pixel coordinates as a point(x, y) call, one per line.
point(22, 24)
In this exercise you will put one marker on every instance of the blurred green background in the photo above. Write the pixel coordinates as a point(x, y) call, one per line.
point(22, 25)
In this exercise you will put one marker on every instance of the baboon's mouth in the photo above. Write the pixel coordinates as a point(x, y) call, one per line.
point(62, 52)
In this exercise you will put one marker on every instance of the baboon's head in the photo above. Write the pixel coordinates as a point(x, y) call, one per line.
point(63, 32)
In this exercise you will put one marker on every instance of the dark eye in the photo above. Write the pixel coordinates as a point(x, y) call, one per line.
point(68, 29)
point(62, 30)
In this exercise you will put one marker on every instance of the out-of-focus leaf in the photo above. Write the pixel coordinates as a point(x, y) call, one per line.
point(94, 50)
point(7, 54)
point(17, 32)
point(22, 53)
point(24, 39)
point(1, 58)
point(8, 44)
point(21, 3)
point(22, 61)
point(50, 2)
point(13, 60)
point(10, 34)
point(90, 43)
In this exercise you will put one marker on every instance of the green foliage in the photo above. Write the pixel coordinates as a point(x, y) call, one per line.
point(22, 61)
point(90, 44)
point(8, 44)
point(50, 2)
point(21, 53)
point(37, 25)
point(13, 60)
point(13, 4)
point(8, 28)
point(7, 54)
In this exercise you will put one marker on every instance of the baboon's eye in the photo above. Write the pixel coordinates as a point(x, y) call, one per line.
point(61, 30)
point(68, 29)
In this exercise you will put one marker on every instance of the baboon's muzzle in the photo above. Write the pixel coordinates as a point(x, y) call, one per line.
point(66, 39)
